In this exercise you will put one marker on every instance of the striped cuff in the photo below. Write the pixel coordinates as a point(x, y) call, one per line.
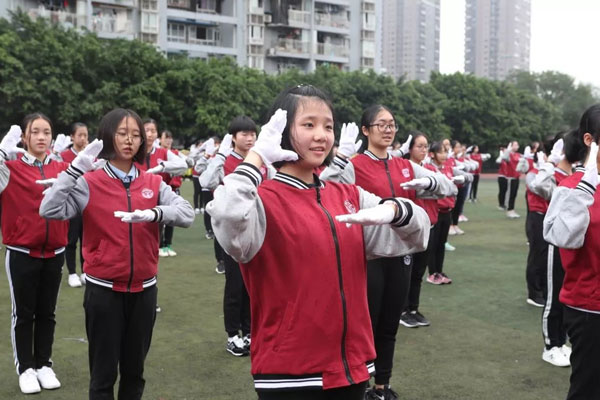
point(432, 184)
point(158, 214)
point(340, 162)
point(405, 212)
point(3, 155)
point(586, 187)
point(222, 155)
point(74, 172)
point(249, 171)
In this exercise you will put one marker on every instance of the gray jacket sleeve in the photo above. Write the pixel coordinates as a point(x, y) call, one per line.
point(67, 198)
point(174, 209)
point(4, 174)
point(339, 170)
point(200, 165)
point(213, 175)
point(505, 155)
point(407, 236)
point(238, 214)
point(440, 187)
point(543, 183)
point(568, 217)
point(174, 165)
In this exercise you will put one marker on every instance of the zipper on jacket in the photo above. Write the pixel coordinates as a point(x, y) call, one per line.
point(41, 168)
point(126, 185)
point(341, 282)
point(389, 176)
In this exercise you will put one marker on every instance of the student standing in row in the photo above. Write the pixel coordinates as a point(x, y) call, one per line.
point(121, 208)
point(302, 262)
point(34, 250)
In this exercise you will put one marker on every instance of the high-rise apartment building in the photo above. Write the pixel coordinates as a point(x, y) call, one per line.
point(411, 38)
point(497, 37)
point(274, 35)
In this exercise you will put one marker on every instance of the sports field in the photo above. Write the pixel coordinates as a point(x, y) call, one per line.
point(484, 342)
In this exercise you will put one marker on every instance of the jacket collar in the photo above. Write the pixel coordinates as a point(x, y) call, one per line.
point(297, 183)
point(109, 171)
point(31, 160)
point(236, 155)
point(374, 157)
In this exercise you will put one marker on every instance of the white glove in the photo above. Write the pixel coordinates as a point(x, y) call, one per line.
point(427, 160)
point(209, 147)
point(268, 144)
point(527, 153)
point(136, 216)
point(225, 147)
point(468, 177)
point(404, 149)
point(485, 156)
point(541, 157)
point(509, 148)
point(378, 215)
point(194, 152)
point(156, 143)
point(10, 140)
point(591, 168)
point(98, 164)
point(156, 170)
point(460, 167)
point(417, 184)
point(459, 155)
point(556, 155)
point(61, 143)
point(458, 179)
point(348, 144)
point(47, 183)
point(84, 161)
point(469, 149)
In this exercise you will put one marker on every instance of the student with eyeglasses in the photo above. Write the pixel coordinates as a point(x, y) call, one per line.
point(122, 208)
point(376, 171)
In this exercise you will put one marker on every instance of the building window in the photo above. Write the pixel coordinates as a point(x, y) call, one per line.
point(175, 32)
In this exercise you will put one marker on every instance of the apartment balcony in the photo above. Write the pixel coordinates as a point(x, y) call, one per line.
point(369, 25)
point(121, 3)
point(111, 27)
point(338, 23)
point(336, 2)
point(201, 6)
point(292, 48)
point(66, 19)
point(299, 19)
point(332, 52)
point(198, 47)
point(205, 11)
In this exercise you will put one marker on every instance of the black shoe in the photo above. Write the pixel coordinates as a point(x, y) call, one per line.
point(374, 394)
point(389, 394)
point(408, 320)
point(247, 342)
point(235, 346)
point(210, 235)
point(220, 267)
point(420, 318)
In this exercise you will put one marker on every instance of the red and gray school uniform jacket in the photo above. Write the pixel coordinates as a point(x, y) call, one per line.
point(175, 181)
point(68, 155)
point(306, 273)
point(220, 166)
point(512, 160)
point(121, 256)
point(446, 204)
point(23, 229)
point(383, 177)
point(172, 163)
point(502, 170)
point(572, 223)
point(476, 157)
point(429, 205)
point(540, 185)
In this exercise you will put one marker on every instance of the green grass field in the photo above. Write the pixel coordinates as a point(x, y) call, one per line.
point(484, 342)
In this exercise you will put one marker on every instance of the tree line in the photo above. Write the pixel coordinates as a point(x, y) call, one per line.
point(76, 76)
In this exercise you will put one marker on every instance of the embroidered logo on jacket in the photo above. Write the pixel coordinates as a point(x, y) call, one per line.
point(147, 193)
point(406, 172)
point(350, 207)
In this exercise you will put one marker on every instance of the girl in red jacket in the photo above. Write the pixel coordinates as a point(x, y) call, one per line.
point(34, 250)
point(121, 208)
point(303, 259)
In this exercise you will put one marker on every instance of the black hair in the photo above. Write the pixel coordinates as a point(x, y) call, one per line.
point(367, 119)
point(574, 151)
point(415, 135)
point(28, 120)
point(108, 128)
point(241, 123)
point(166, 133)
point(453, 144)
point(437, 147)
point(290, 100)
point(150, 121)
point(75, 126)
point(589, 123)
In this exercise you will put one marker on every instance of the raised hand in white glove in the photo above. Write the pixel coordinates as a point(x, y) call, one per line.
point(458, 179)
point(509, 148)
point(378, 215)
point(136, 216)
point(348, 144)
point(427, 160)
point(156, 170)
point(10, 140)
point(194, 152)
point(209, 147)
point(98, 164)
point(61, 143)
point(556, 155)
point(417, 184)
point(404, 149)
point(527, 153)
point(268, 143)
point(225, 147)
point(485, 156)
point(591, 168)
point(86, 158)
point(541, 157)
point(156, 143)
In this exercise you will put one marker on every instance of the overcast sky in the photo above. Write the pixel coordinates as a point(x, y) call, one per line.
point(565, 37)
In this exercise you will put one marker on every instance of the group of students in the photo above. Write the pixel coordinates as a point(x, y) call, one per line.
point(313, 246)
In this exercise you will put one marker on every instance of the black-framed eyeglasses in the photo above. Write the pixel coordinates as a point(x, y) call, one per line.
point(383, 127)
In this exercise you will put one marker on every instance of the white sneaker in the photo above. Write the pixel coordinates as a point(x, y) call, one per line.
point(500, 208)
point(566, 351)
point(555, 356)
point(512, 214)
point(28, 382)
point(462, 218)
point(171, 252)
point(47, 378)
point(202, 210)
point(162, 252)
point(196, 211)
point(452, 230)
point(458, 230)
point(449, 247)
point(74, 280)
point(82, 277)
